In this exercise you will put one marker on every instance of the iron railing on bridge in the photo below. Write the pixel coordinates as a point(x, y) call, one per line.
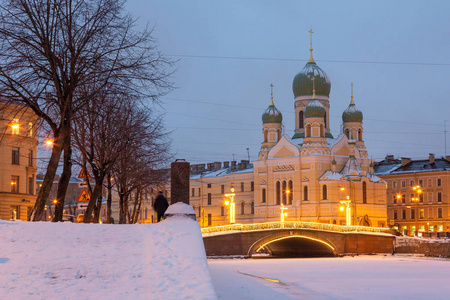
point(287, 225)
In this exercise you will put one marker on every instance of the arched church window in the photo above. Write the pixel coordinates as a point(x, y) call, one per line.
point(263, 196)
point(360, 134)
point(279, 134)
point(252, 208)
point(284, 192)
point(278, 193)
point(265, 136)
point(324, 192)
point(347, 133)
point(291, 191)
point(242, 208)
point(325, 120)
point(305, 193)
point(300, 119)
point(308, 130)
point(364, 192)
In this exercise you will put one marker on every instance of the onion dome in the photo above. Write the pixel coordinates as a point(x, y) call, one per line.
point(272, 114)
point(314, 109)
point(303, 83)
point(352, 114)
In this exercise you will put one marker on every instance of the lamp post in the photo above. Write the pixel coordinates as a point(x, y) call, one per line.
point(232, 205)
point(418, 190)
point(283, 214)
point(348, 212)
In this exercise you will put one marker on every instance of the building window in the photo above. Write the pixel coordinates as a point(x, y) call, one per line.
point(15, 212)
point(291, 191)
point(300, 119)
point(15, 156)
point(209, 198)
point(263, 195)
point(394, 184)
point(284, 192)
point(395, 215)
point(324, 192)
point(394, 201)
point(252, 208)
point(404, 214)
point(364, 192)
point(421, 213)
point(430, 182)
point(403, 184)
point(193, 192)
point(305, 193)
point(413, 213)
point(30, 158)
point(421, 182)
point(14, 184)
point(209, 219)
point(30, 129)
point(209, 185)
point(439, 197)
point(411, 183)
point(252, 186)
point(421, 198)
point(278, 193)
point(222, 189)
point(403, 198)
point(199, 194)
point(242, 186)
point(242, 208)
point(31, 185)
point(439, 182)
point(222, 210)
point(439, 212)
point(15, 126)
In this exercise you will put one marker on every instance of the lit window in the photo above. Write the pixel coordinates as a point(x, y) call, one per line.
point(15, 126)
point(30, 129)
point(14, 184)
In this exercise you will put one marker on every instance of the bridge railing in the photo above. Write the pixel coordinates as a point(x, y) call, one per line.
point(289, 225)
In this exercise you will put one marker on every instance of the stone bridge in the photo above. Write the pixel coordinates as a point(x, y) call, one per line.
point(296, 239)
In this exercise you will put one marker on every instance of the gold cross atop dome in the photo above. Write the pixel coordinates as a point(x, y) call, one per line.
point(311, 59)
point(351, 102)
point(271, 94)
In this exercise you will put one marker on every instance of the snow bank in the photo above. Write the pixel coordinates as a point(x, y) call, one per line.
point(98, 261)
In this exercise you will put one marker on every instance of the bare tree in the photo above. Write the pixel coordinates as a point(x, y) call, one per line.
point(50, 49)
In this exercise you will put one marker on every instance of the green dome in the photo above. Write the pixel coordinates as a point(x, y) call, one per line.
point(352, 114)
point(272, 115)
point(303, 84)
point(314, 109)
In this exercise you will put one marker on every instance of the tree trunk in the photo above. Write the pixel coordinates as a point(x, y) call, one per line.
point(97, 193)
point(109, 201)
point(63, 181)
point(44, 192)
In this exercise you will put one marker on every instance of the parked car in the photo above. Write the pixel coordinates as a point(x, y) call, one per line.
point(68, 218)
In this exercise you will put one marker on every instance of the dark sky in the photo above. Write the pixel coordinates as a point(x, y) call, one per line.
point(395, 52)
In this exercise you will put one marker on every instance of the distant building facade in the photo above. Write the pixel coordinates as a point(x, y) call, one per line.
point(417, 193)
point(306, 175)
point(18, 147)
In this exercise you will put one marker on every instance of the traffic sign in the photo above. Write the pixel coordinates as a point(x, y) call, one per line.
point(83, 174)
point(84, 197)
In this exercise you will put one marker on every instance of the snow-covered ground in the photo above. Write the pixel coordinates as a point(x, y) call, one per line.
point(97, 261)
point(359, 277)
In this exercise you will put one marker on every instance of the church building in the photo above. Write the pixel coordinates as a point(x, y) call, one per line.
point(309, 176)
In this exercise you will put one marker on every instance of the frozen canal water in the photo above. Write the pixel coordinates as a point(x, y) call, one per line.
point(359, 277)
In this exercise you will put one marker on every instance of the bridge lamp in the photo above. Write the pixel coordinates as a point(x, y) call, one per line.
point(232, 206)
point(283, 214)
point(348, 213)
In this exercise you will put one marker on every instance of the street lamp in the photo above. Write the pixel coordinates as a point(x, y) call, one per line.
point(283, 214)
point(230, 202)
point(49, 142)
point(418, 190)
point(348, 212)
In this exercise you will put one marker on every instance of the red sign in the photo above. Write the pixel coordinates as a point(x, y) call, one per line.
point(84, 197)
point(83, 174)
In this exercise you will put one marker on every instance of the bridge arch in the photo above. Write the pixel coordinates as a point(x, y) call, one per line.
point(294, 243)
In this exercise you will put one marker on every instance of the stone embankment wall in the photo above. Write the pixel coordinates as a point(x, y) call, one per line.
point(428, 247)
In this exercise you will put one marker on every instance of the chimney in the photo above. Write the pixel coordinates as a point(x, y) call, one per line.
point(210, 166)
point(405, 161)
point(447, 158)
point(241, 166)
point(226, 164)
point(217, 165)
point(431, 158)
point(389, 157)
point(233, 165)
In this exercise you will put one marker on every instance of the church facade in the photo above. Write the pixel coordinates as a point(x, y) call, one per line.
point(310, 176)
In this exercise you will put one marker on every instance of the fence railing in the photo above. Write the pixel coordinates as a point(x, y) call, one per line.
point(207, 231)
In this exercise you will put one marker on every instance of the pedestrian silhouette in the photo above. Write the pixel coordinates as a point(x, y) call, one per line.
point(160, 206)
